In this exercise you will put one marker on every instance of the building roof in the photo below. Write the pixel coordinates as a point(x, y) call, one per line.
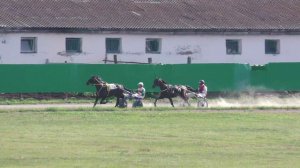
point(151, 15)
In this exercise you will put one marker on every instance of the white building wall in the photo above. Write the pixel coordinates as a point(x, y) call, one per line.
point(174, 50)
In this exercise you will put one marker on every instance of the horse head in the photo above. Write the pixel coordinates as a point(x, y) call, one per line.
point(158, 82)
point(94, 80)
point(155, 82)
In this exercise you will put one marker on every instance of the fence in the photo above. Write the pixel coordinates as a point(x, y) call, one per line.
point(219, 77)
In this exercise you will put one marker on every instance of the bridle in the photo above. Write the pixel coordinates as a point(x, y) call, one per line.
point(159, 83)
point(99, 83)
point(102, 84)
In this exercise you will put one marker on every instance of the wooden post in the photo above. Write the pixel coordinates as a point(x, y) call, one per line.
point(189, 60)
point(105, 60)
point(150, 60)
point(115, 59)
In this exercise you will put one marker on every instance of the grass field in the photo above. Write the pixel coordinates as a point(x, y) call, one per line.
point(149, 137)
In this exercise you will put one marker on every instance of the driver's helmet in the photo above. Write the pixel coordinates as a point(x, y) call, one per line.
point(202, 82)
point(141, 83)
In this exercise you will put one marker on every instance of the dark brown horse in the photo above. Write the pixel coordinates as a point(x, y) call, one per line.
point(105, 90)
point(170, 91)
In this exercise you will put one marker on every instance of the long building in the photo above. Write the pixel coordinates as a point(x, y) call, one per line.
point(167, 31)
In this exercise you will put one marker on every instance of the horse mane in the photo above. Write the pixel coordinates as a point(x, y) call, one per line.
point(164, 82)
point(98, 77)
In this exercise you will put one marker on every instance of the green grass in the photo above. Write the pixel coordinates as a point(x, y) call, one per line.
point(149, 138)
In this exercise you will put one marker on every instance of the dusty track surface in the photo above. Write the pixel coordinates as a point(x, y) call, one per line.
point(43, 106)
point(242, 102)
point(90, 105)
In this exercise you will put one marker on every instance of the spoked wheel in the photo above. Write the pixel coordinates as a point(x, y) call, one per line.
point(125, 103)
point(137, 103)
point(122, 103)
point(202, 103)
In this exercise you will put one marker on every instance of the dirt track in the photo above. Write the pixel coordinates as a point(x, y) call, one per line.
point(269, 101)
point(90, 105)
point(43, 106)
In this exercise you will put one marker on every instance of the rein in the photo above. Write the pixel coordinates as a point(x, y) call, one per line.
point(99, 83)
point(164, 90)
point(97, 80)
point(163, 84)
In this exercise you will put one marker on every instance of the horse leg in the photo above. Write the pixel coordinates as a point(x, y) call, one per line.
point(117, 102)
point(155, 102)
point(96, 101)
point(185, 98)
point(158, 97)
point(171, 101)
point(187, 101)
point(101, 102)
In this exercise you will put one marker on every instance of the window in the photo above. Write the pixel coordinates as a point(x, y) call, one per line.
point(153, 46)
point(233, 47)
point(113, 45)
point(73, 45)
point(28, 45)
point(272, 47)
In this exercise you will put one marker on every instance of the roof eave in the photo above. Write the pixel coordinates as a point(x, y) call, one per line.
point(226, 31)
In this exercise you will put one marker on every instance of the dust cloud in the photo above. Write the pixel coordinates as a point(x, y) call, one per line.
point(251, 99)
point(257, 100)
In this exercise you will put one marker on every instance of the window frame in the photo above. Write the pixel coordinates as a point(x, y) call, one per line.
point(159, 45)
point(119, 50)
point(73, 51)
point(239, 47)
point(34, 47)
point(277, 47)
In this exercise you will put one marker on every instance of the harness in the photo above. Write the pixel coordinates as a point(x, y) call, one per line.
point(107, 86)
point(171, 88)
point(164, 90)
point(167, 89)
point(104, 84)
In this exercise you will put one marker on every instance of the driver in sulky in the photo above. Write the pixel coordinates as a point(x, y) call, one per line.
point(202, 90)
point(140, 95)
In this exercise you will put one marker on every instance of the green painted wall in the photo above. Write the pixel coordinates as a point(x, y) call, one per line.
point(276, 77)
point(219, 77)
